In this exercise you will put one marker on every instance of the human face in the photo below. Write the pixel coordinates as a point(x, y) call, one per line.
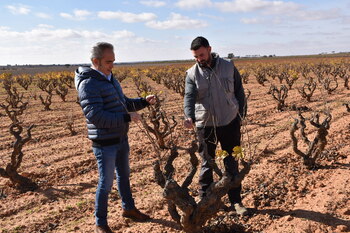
point(105, 64)
point(202, 56)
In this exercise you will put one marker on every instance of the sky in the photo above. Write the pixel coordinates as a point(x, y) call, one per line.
point(63, 31)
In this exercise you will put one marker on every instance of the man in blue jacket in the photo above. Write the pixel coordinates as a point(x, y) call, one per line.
point(215, 103)
point(108, 113)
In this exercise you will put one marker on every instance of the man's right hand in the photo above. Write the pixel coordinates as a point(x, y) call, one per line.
point(188, 123)
point(134, 116)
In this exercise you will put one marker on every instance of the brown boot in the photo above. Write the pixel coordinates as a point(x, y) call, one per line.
point(103, 229)
point(135, 215)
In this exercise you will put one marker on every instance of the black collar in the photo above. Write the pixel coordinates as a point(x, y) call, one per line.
point(213, 61)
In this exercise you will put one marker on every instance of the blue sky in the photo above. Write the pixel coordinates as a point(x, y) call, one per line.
point(62, 31)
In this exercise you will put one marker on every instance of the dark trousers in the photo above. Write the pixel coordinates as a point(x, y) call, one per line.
point(228, 136)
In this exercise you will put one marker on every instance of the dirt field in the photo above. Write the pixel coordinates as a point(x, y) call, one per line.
point(281, 194)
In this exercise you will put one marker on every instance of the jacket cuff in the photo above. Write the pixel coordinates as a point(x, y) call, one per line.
point(127, 117)
point(144, 102)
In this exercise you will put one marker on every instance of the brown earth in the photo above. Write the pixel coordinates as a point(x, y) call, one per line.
point(281, 194)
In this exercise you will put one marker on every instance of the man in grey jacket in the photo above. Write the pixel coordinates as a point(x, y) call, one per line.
point(215, 103)
point(108, 113)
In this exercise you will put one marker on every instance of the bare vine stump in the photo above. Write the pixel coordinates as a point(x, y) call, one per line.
point(14, 106)
point(307, 90)
point(193, 216)
point(317, 145)
point(279, 95)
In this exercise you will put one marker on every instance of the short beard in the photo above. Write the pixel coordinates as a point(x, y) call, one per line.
point(207, 63)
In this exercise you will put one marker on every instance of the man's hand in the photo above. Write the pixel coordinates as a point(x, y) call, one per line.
point(151, 99)
point(135, 117)
point(188, 123)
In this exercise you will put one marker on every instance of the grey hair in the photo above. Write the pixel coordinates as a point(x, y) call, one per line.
point(99, 48)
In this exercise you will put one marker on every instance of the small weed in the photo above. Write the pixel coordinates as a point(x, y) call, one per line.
point(18, 229)
point(53, 213)
point(69, 207)
point(73, 226)
point(81, 204)
point(33, 210)
point(30, 211)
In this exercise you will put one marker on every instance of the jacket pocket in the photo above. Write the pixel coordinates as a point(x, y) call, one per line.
point(228, 84)
point(201, 113)
point(202, 88)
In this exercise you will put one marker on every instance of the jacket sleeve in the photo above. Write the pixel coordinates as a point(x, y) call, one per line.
point(135, 104)
point(239, 93)
point(92, 104)
point(190, 98)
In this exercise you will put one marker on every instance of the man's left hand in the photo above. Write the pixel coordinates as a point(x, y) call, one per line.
point(151, 99)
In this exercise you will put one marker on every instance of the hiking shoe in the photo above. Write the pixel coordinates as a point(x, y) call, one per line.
point(135, 215)
point(103, 229)
point(240, 209)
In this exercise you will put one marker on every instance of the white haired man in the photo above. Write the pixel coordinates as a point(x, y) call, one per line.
point(108, 113)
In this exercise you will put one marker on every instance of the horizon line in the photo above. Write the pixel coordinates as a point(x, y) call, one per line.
point(257, 56)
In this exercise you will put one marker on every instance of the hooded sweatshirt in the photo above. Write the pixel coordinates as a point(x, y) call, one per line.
point(104, 105)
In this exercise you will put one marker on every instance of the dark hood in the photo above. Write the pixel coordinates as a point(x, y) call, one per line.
point(214, 57)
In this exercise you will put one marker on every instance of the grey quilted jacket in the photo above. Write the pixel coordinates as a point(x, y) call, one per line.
point(214, 96)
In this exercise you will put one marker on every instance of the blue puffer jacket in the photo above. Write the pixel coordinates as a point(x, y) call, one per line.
point(104, 105)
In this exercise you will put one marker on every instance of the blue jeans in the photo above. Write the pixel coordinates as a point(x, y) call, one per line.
point(110, 158)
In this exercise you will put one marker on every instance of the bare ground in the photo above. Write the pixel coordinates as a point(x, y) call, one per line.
point(281, 194)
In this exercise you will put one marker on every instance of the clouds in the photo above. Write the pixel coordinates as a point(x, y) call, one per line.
point(177, 21)
point(318, 15)
point(251, 20)
point(43, 15)
point(44, 32)
point(77, 15)
point(276, 7)
point(41, 33)
point(262, 8)
point(266, 9)
point(45, 44)
point(126, 17)
point(190, 4)
point(174, 21)
point(55, 32)
point(239, 5)
point(18, 9)
point(153, 3)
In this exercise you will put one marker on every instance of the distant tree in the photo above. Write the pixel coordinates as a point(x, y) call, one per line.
point(230, 56)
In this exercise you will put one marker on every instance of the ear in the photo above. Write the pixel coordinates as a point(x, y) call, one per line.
point(209, 49)
point(96, 62)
